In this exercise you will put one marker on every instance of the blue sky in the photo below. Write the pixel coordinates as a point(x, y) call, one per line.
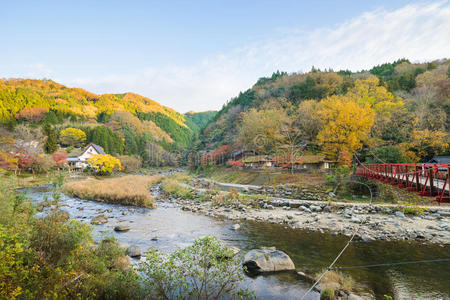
point(198, 54)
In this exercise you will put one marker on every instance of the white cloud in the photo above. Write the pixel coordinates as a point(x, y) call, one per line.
point(418, 32)
point(38, 70)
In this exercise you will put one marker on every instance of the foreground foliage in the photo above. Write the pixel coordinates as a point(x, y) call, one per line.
point(205, 270)
point(50, 257)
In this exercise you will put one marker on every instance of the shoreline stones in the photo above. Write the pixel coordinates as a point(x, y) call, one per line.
point(267, 260)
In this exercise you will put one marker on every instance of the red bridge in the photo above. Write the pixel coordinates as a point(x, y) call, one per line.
point(427, 179)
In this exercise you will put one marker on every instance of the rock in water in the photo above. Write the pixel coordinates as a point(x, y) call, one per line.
point(100, 219)
point(236, 226)
point(122, 228)
point(354, 297)
point(133, 251)
point(265, 260)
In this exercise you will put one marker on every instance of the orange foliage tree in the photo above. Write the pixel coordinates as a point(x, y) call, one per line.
point(32, 114)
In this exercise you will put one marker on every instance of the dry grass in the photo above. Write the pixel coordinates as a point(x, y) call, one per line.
point(335, 280)
point(127, 190)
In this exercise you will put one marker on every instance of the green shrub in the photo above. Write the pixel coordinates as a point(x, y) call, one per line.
point(200, 271)
point(327, 294)
point(172, 187)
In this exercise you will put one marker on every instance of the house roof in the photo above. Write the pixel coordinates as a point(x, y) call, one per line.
point(311, 159)
point(97, 148)
point(441, 159)
point(256, 158)
point(75, 152)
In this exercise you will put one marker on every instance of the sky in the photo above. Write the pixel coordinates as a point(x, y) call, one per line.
point(196, 55)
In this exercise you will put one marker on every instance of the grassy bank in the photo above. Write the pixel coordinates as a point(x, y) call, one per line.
point(230, 175)
point(126, 190)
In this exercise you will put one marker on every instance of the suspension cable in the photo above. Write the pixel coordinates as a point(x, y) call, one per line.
point(393, 264)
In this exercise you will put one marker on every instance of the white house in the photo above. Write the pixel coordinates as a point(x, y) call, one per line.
point(80, 161)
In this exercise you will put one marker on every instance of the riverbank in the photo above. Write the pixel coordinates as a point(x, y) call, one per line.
point(375, 221)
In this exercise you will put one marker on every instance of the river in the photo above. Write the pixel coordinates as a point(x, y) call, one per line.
point(310, 251)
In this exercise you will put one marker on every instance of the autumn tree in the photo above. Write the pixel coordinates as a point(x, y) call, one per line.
point(32, 114)
point(104, 164)
point(130, 163)
point(346, 125)
point(60, 158)
point(260, 130)
point(306, 121)
point(72, 137)
point(427, 143)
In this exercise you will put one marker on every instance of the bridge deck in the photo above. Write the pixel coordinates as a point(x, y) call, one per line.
point(425, 178)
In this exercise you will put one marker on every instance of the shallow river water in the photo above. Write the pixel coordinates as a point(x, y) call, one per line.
point(310, 251)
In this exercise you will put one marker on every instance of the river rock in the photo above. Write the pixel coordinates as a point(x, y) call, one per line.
point(122, 228)
point(315, 208)
point(133, 251)
point(354, 297)
point(355, 219)
point(400, 215)
point(236, 227)
point(100, 219)
point(261, 260)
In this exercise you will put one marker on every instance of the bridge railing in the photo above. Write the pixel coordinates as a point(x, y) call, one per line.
point(427, 179)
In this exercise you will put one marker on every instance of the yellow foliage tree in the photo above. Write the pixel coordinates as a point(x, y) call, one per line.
point(346, 125)
point(104, 164)
point(427, 143)
point(72, 137)
point(369, 92)
point(261, 130)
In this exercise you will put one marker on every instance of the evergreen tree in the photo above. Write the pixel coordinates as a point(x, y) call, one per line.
point(51, 144)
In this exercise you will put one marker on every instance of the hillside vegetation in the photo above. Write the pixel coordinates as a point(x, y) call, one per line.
point(34, 101)
point(197, 120)
point(399, 111)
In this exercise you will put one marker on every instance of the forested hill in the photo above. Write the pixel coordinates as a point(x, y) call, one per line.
point(25, 99)
point(400, 109)
point(197, 120)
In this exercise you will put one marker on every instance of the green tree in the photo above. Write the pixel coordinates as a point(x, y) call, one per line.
point(51, 143)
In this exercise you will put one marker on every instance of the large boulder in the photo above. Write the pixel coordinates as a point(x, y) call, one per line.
point(122, 228)
point(267, 260)
point(100, 219)
point(133, 251)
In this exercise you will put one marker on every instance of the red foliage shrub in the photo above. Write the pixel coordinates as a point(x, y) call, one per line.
point(60, 158)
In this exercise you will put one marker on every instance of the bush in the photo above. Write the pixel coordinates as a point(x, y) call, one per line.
point(201, 271)
point(327, 294)
point(336, 280)
point(172, 187)
point(41, 164)
point(130, 164)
